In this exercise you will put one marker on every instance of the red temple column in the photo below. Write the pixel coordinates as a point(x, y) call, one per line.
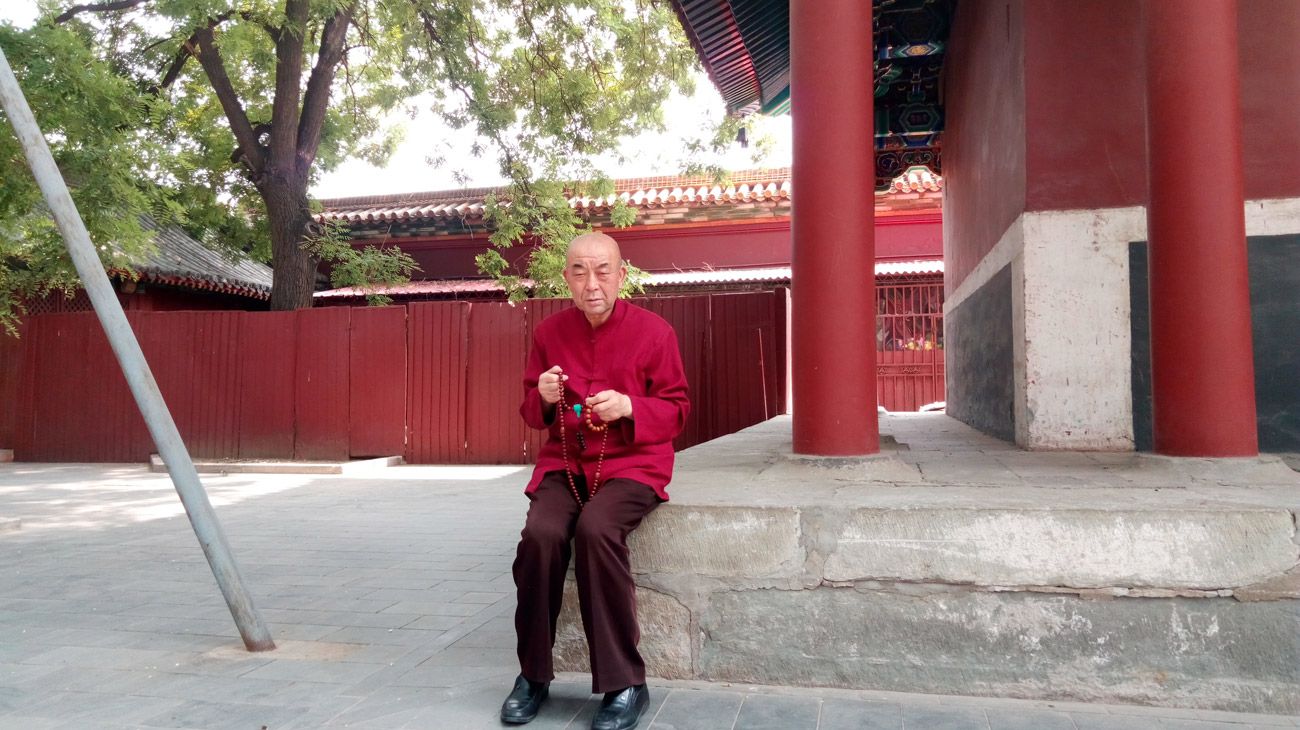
point(1203, 375)
point(833, 328)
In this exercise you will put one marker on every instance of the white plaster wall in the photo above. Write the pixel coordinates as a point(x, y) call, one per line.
point(1071, 318)
point(1077, 390)
point(1272, 217)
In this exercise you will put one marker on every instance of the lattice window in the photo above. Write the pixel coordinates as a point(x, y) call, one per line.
point(909, 314)
point(56, 302)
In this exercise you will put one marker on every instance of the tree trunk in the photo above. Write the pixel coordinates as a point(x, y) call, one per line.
point(295, 270)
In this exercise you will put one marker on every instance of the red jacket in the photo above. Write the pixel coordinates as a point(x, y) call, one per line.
point(635, 353)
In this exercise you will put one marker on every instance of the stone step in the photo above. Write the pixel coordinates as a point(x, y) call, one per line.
point(220, 466)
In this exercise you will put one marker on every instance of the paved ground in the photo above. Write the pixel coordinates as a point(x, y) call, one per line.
point(390, 599)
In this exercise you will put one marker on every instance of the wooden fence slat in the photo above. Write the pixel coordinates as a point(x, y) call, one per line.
point(321, 384)
point(377, 382)
point(268, 363)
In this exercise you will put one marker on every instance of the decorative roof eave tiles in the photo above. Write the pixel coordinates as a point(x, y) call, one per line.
point(179, 260)
point(641, 193)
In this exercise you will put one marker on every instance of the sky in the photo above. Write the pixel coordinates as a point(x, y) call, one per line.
point(426, 137)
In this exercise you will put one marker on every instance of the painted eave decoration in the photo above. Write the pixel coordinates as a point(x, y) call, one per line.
point(745, 47)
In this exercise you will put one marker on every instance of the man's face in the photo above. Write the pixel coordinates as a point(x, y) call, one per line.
point(594, 273)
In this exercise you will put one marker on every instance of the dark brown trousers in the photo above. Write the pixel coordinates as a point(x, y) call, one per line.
point(606, 593)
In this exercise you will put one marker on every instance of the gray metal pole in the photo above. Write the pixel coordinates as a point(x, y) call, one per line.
point(143, 387)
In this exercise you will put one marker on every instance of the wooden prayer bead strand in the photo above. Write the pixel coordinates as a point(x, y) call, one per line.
point(564, 446)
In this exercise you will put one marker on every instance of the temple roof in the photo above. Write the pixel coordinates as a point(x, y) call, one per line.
point(745, 47)
point(646, 194)
point(179, 260)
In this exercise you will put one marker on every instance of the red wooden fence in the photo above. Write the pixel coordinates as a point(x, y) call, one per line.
point(437, 382)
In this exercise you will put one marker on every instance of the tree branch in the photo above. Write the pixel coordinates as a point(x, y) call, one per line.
point(183, 54)
point(288, 84)
point(174, 68)
point(317, 98)
point(107, 7)
point(205, 50)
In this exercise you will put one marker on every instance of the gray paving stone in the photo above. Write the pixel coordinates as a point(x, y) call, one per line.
point(125, 618)
point(224, 714)
point(101, 657)
point(697, 710)
point(92, 708)
point(936, 717)
point(480, 597)
point(1182, 724)
point(431, 608)
point(1022, 719)
point(778, 712)
point(440, 623)
point(841, 714)
point(449, 675)
point(16, 676)
point(474, 656)
point(478, 709)
point(372, 635)
point(27, 722)
point(393, 620)
point(305, 671)
point(1091, 721)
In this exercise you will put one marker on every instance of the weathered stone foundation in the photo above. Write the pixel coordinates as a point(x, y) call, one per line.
point(961, 565)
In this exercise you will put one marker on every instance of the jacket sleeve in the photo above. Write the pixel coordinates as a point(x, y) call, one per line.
point(531, 409)
point(660, 414)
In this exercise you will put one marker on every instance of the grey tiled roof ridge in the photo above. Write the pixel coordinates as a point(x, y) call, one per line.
point(178, 259)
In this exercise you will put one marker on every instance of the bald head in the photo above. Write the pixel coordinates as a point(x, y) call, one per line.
point(596, 245)
point(594, 271)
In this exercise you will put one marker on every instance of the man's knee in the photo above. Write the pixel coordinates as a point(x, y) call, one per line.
point(541, 534)
point(595, 528)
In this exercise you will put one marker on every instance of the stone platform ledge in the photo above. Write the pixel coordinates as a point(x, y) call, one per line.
point(218, 466)
point(1099, 581)
point(10, 524)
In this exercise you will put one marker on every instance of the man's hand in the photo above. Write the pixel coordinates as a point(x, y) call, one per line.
point(551, 384)
point(610, 405)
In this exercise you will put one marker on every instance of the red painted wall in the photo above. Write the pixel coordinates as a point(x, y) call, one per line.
point(984, 141)
point(1085, 94)
point(1270, 96)
point(1085, 88)
point(666, 248)
point(909, 237)
point(1046, 110)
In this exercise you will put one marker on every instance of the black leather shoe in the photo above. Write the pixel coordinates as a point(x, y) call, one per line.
point(622, 710)
point(524, 701)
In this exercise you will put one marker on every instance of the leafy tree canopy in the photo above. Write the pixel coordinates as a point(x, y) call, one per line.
point(217, 115)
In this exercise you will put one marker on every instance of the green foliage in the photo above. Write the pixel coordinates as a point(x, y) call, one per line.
point(92, 122)
point(142, 124)
point(368, 268)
